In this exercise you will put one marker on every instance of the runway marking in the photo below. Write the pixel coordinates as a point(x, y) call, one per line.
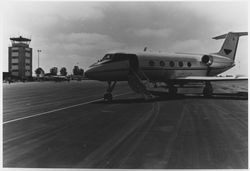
point(56, 110)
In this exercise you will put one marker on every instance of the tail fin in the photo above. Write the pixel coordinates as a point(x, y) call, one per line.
point(230, 44)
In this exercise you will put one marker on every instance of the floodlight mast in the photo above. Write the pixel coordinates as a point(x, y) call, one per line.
point(38, 51)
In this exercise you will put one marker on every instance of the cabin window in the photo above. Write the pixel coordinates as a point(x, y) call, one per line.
point(171, 63)
point(189, 64)
point(180, 64)
point(162, 63)
point(151, 63)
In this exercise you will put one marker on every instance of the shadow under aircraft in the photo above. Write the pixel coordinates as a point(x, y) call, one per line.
point(166, 97)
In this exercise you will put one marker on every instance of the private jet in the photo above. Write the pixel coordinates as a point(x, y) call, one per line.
point(141, 69)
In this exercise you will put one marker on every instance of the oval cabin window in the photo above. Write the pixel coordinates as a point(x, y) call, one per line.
point(189, 64)
point(151, 63)
point(162, 63)
point(171, 63)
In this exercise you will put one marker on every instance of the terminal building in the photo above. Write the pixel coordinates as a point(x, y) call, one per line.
point(20, 58)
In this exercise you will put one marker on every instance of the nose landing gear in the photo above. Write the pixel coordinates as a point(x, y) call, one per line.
point(108, 96)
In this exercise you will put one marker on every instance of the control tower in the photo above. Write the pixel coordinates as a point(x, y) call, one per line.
point(20, 57)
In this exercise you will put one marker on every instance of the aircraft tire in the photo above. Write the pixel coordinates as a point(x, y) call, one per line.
point(172, 91)
point(108, 97)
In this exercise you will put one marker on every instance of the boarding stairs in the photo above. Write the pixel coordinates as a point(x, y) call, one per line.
point(139, 82)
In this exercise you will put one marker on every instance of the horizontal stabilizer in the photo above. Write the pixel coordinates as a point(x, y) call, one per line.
point(235, 33)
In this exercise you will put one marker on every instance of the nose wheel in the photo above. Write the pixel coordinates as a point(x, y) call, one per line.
point(108, 96)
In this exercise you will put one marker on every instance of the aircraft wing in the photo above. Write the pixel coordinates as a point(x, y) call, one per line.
point(210, 78)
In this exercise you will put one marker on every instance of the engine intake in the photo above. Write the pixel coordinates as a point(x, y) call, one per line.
point(207, 59)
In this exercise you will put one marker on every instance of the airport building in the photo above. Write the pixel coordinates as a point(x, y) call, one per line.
point(20, 57)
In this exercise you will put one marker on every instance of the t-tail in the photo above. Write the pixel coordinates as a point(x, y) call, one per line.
point(230, 44)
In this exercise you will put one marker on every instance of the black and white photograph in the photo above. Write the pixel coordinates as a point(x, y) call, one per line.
point(124, 84)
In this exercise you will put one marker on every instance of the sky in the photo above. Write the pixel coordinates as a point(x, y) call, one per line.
point(80, 33)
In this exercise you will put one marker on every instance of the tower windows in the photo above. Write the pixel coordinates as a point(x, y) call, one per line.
point(14, 54)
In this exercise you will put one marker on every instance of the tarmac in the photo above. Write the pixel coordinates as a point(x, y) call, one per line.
point(68, 125)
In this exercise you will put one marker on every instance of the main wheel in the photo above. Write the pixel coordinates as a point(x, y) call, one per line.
point(172, 91)
point(108, 97)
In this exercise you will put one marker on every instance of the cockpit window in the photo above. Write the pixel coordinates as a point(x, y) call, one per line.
point(121, 56)
point(107, 57)
point(117, 57)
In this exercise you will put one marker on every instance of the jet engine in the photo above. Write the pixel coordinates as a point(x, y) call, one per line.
point(207, 59)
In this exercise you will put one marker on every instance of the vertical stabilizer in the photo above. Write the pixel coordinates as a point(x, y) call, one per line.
point(230, 44)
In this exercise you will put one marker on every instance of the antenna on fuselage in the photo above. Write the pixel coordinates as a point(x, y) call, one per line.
point(145, 49)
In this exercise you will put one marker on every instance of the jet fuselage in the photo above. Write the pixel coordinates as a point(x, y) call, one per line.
point(157, 66)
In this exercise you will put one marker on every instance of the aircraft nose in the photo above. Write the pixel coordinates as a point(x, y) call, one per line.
point(89, 73)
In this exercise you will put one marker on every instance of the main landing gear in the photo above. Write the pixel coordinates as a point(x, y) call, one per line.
point(108, 96)
point(208, 89)
point(172, 90)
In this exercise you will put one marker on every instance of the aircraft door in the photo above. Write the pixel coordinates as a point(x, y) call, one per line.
point(133, 62)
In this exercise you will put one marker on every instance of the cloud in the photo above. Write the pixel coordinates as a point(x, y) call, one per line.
point(191, 45)
point(63, 9)
point(82, 43)
point(156, 33)
point(80, 47)
point(84, 31)
point(232, 13)
point(47, 18)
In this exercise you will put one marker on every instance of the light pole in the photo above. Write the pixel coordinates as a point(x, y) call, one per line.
point(38, 51)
